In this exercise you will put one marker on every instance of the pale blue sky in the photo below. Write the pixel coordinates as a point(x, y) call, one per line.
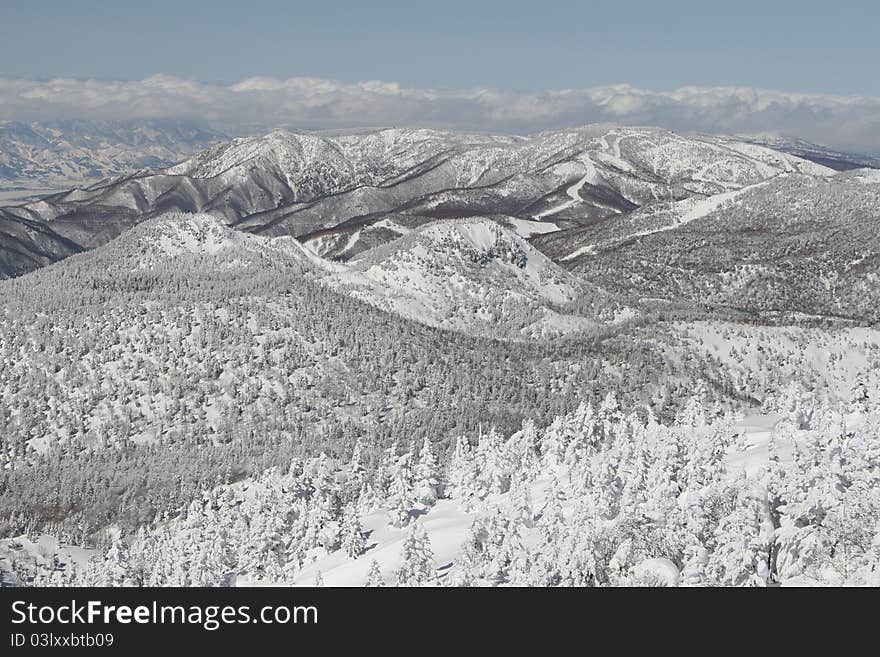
point(800, 68)
point(804, 45)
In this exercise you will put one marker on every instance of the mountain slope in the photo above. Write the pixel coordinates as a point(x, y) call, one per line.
point(794, 244)
point(475, 276)
point(331, 186)
point(195, 239)
point(185, 353)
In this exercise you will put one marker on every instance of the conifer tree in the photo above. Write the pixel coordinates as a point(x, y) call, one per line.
point(353, 542)
point(743, 545)
point(416, 560)
point(374, 576)
point(463, 473)
point(427, 476)
point(400, 502)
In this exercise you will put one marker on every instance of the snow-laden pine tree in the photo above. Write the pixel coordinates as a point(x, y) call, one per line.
point(693, 573)
point(468, 567)
point(693, 414)
point(553, 444)
point(356, 474)
point(427, 485)
point(608, 416)
point(581, 437)
point(263, 554)
point(352, 541)
point(743, 542)
point(116, 571)
point(859, 396)
point(525, 450)
point(606, 483)
point(400, 501)
point(368, 500)
point(521, 507)
point(463, 474)
point(502, 550)
point(416, 560)
point(374, 576)
point(495, 462)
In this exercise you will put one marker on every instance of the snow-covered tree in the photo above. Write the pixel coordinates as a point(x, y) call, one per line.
point(353, 542)
point(374, 576)
point(416, 560)
point(427, 476)
point(743, 542)
point(463, 473)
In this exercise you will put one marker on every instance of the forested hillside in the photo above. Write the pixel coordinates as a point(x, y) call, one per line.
point(604, 356)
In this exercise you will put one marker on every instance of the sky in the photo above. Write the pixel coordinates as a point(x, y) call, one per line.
point(819, 58)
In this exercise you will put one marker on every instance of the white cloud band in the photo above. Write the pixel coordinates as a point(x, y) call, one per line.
point(847, 122)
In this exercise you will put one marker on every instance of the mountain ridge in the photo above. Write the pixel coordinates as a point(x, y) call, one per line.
point(307, 185)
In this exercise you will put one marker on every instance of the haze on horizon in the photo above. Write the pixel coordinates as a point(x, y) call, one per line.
point(801, 69)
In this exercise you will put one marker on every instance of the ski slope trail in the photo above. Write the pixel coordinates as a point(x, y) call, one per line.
point(573, 193)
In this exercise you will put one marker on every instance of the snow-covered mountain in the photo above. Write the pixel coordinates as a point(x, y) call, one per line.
point(793, 243)
point(472, 275)
point(331, 187)
point(200, 405)
point(202, 240)
point(629, 357)
point(477, 276)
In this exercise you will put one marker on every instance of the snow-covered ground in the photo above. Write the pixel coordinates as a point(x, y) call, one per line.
point(525, 228)
point(573, 192)
point(446, 524)
point(42, 551)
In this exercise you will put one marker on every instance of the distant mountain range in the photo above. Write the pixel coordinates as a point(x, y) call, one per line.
point(642, 212)
point(335, 191)
point(57, 155)
point(829, 157)
point(61, 154)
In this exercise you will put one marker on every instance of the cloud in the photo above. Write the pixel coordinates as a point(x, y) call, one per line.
point(311, 103)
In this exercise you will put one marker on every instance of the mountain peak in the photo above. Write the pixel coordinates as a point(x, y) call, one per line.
point(172, 236)
point(475, 276)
